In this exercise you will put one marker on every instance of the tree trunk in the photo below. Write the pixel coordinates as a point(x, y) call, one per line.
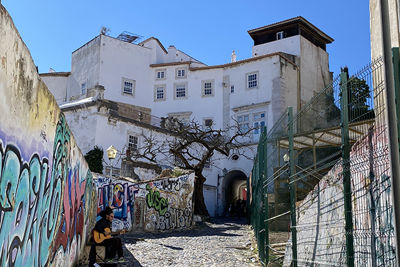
point(199, 204)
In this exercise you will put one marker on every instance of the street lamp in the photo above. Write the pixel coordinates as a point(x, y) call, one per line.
point(111, 153)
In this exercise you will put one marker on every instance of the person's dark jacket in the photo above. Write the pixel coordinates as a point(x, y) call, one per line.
point(102, 224)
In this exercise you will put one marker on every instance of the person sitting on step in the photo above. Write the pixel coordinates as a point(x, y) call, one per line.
point(102, 237)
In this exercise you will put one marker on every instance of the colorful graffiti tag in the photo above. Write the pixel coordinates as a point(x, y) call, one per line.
point(155, 201)
point(163, 204)
point(46, 188)
point(41, 213)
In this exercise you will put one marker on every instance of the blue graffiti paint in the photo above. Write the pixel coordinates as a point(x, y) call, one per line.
point(28, 204)
point(120, 196)
point(31, 198)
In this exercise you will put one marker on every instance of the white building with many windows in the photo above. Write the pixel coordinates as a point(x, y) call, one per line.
point(289, 64)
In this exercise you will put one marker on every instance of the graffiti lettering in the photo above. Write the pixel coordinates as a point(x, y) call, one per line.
point(154, 200)
point(171, 184)
point(29, 205)
point(146, 205)
point(40, 215)
point(120, 196)
point(175, 219)
point(75, 190)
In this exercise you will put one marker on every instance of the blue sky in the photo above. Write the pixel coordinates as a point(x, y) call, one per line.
point(206, 30)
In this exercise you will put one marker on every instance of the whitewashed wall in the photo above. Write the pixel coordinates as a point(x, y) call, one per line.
point(106, 60)
point(314, 69)
point(58, 86)
point(290, 45)
point(376, 26)
point(121, 59)
point(85, 66)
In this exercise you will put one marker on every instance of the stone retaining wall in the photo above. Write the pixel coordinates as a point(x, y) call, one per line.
point(320, 218)
point(157, 205)
point(47, 201)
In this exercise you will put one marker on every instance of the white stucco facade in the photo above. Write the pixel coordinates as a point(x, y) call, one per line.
point(255, 91)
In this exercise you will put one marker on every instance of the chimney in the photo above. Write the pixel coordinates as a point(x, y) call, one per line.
point(172, 53)
point(233, 56)
point(172, 50)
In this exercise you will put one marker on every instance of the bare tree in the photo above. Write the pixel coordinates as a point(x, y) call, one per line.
point(191, 146)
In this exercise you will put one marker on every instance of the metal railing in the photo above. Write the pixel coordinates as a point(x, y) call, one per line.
point(320, 189)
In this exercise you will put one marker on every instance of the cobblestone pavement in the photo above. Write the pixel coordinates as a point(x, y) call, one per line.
point(220, 243)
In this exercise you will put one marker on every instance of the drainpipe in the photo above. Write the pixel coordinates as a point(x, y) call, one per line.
point(391, 119)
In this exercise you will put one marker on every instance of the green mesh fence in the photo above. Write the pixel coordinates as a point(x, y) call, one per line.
point(320, 191)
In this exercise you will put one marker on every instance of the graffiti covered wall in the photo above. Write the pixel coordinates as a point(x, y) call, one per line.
point(320, 217)
point(164, 204)
point(46, 188)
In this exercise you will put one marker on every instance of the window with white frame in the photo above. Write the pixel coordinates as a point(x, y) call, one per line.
point(128, 86)
point(258, 122)
point(133, 143)
point(160, 74)
point(244, 123)
point(159, 93)
point(180, 91)
point(180, 73)
point(252, 80)
point(208, 89)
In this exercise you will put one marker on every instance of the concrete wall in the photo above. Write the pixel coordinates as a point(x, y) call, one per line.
point(376, 26)
point(58, 86)
point(163, 204)
point(82, 124)
point(290, 45)
point(320, 217)
point(94, 123)
point(85, 68)
point(125, 60)
point(314, 69)
point(158, 54)
point(46, 191)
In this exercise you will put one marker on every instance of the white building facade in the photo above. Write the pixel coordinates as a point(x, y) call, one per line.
point(289, 64)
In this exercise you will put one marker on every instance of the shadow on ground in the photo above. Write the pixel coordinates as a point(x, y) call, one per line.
point(221, 228)
point(131, 261)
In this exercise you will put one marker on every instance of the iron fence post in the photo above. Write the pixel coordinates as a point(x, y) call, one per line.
point(248, 212)
point(261, 196)
point(346, 169)
point(391, 117)
point(395, 155)
point(292, 187)
point(265, 187)
point(396, 74)
point(253, 194)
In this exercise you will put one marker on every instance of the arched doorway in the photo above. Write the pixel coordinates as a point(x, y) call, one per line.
point(234, 193)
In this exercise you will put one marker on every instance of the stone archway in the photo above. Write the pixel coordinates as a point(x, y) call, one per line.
point(234, 190)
